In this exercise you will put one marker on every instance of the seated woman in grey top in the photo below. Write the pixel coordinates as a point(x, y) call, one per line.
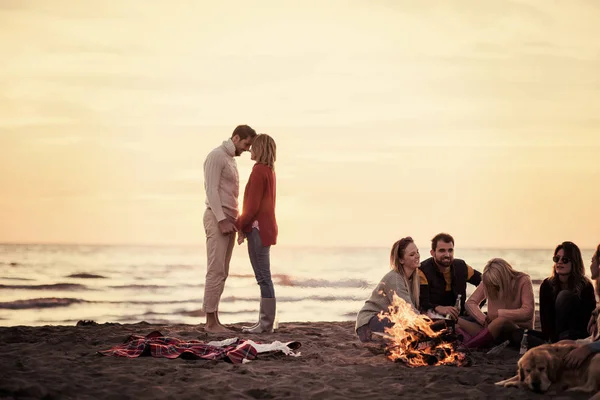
point(403, 280)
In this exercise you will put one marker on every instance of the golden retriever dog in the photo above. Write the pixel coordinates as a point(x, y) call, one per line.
point(542, 369)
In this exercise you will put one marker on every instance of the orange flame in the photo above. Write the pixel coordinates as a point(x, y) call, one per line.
point(407, 334)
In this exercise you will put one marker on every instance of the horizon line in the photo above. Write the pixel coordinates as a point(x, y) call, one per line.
point(201, 244)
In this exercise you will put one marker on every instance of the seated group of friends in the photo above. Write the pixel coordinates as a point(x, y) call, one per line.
point(567, 299)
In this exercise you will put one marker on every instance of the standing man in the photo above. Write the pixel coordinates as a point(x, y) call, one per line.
point(221, 182)
point(444, 277)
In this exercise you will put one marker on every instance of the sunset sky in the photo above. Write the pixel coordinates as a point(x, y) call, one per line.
point(392, 118)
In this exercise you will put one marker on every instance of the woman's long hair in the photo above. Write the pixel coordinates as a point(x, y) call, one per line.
point(597, 257)
point(396, 255)
point(500, 279)
point(265, 150)
point(577, 279)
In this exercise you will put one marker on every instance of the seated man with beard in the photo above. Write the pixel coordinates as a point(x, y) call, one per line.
point(444, 277)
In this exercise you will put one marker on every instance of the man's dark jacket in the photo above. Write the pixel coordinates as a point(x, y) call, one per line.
point(434, 293)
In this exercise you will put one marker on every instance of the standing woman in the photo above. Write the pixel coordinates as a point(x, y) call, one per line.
point(258, 224)
point(567, 297)
point(403, 280)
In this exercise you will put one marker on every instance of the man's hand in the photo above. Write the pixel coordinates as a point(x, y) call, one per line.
point(227, 227)
point(576, 357)
point(445, 310)
point(241, 237)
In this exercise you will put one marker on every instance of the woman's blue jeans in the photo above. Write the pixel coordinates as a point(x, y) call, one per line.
point(260, 258)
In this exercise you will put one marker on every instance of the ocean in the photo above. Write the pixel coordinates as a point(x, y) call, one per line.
point(62, 284)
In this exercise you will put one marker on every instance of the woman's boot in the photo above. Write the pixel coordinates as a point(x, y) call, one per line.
point(245, 328)
point(266, 316)
point(482, 339)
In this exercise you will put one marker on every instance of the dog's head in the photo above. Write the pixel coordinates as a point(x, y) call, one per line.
point(538, 368)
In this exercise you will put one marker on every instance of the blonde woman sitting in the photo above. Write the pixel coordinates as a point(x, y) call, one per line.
point(402, 280)
point(510, 300)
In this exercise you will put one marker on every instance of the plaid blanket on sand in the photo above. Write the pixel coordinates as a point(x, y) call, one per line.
point(156, 345)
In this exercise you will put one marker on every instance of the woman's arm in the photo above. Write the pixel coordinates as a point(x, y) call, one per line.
point(588, 300)
point(547, 309)
point(472, 304)
point(399, 287)
point(527, 310)
point(253, 195)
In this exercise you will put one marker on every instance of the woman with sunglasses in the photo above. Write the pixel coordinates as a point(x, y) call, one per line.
point(567, 297)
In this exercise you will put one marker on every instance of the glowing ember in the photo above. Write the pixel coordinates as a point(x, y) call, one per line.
point(414, 342)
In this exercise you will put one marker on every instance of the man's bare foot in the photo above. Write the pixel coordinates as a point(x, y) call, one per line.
point(216, 329)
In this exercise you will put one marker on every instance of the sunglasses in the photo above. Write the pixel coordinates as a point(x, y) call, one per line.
point(564, 260)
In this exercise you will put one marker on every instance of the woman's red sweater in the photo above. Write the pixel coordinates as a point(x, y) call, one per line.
point(259, 204)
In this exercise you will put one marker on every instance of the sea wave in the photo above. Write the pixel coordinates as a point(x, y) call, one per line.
point(140, 287)
point(11, 263)
point(46, 302)
point(289, 299)
point(85, 275)
point(288, 280)
point(148, 302)
point(154, 287)
point(233, 299)
point(55, 286)
point(15, 278)
point(324, 283)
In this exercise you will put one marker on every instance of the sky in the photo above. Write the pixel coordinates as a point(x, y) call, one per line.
point(392, 118)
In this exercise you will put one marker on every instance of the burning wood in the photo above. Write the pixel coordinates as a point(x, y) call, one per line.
point(413, 341)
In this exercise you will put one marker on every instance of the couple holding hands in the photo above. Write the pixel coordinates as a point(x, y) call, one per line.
point(257, 222)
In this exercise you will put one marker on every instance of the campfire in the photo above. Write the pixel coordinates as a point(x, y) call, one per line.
point(413, 341)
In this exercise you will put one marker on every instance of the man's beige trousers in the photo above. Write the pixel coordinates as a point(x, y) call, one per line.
point(219, 248)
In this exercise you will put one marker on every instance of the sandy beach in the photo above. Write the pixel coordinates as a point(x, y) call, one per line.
point(61, 362)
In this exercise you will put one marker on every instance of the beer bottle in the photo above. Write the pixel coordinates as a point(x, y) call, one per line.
point(524, 344)
point(457, 305)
